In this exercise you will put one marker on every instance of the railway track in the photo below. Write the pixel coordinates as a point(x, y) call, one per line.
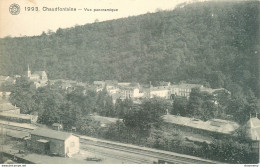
point(117, 156)
point(165, 156)
point(168, 157)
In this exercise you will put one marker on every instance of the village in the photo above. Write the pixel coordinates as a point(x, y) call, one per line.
point(58, 142)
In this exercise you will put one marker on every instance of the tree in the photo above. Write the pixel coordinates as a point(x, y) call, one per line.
point(43, 34)
point(140, 119)
point(195, 43)
point(52, 103)
point(22, 95)
point(236, 107)
point(59, 32)
point(180, 106)
point(122, 107)
point(194, 103)
point(202, 105)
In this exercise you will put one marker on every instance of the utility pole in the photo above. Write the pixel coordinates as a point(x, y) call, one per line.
point(257, 56)
point(3, 140)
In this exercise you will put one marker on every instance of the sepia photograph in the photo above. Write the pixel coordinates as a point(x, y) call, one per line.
point(129, 82)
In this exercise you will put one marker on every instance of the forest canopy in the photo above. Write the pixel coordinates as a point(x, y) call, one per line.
point(211, 43)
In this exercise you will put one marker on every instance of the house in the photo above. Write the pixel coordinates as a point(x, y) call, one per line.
point(160, 91)
point(3, 79)
point(111, 86)
point(252, 134)
point(111, 82)
point(183, 89)
point(7, 79)
point(213, 91)
point(5, 95)
point(124, 83)
point(131, 90)
point(47, 141)
point(105, 121)
point(213, 127)
point(39, 78)
point(163, 83)
point(100, 85)
point(57, 126)
point(253, 129)
point(146, 92)
point(68, 85)
point(65, 86)
point(112, 90)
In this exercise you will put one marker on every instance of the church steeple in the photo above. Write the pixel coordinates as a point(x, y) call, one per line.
point(28, 71)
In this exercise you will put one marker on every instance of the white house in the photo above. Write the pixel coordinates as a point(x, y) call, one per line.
point(47, 141)
point(39, 78)
point(183, 89)
point(160, 91)
point(100, 85)
point(131, 90)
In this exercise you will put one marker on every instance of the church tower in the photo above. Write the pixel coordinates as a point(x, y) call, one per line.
point(28, 72)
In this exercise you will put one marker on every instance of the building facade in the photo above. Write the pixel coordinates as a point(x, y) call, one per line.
point(39, 78)
point(252, 132)
point(160, 91)
point(47, 141)
point(183, 89)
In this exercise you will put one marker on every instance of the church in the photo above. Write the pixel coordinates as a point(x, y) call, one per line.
point(39, 78)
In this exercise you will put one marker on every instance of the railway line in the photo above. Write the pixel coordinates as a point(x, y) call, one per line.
point(166, 156)
point(126, 158)
point(158, 155)
point(153, 154)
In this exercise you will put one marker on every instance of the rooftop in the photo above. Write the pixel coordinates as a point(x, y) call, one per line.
point(186, 86)
point(111, 82)
point(105, 120)
point(2, 78)
point(213, 125)
point(124, 83)
point(163, 83)
point(49, 133)
point(6, 78)
point(159, 88)
point(39, 73)
point(98, 82)
point(210, 90)
point(5, 93)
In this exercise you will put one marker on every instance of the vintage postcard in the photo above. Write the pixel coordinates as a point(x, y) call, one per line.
point(129, 82)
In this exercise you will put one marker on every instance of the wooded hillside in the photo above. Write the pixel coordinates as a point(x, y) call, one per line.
point(215, 44)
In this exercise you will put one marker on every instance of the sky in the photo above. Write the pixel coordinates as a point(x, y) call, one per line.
point(30, 23)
